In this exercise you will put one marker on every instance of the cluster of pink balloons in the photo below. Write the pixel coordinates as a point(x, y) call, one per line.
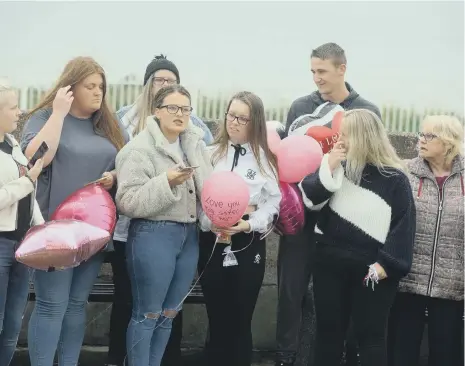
point(80, 227)
point(297, 156)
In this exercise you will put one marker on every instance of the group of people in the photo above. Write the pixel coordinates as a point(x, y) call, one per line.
point(382, 241)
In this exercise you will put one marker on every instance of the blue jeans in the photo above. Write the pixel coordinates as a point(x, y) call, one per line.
point(162, 259)
point(58, 319)
point(14, 289)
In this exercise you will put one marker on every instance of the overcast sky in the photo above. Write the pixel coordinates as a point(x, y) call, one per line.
point(404, 53)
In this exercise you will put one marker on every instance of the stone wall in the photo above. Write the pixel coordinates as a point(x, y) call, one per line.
point(195, 323)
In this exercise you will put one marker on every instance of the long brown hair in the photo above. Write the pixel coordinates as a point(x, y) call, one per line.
point(256, 132)
point(76, 70)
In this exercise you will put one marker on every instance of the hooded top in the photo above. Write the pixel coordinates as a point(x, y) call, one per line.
point(308, 104)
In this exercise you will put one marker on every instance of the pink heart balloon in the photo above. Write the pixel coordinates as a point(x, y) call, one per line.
point(91, 204)
point(60, 244)
point(291, 212)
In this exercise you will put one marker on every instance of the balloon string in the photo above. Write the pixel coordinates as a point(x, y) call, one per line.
point(179, 305)
point(192, 287)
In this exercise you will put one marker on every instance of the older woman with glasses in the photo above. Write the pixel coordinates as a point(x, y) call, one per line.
point(435, 282)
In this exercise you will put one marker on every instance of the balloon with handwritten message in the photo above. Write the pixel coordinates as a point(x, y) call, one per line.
point(298, 156)
point(225, 197)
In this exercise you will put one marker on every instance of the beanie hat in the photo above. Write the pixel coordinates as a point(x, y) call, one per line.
point(160, 63)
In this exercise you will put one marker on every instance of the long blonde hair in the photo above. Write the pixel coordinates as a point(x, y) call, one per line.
point(144, 105)
point(368, 143)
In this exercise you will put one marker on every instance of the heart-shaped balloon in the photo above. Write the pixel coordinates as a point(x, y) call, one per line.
point(91, 204)
point(326, 136)
point(61, 244)
point(291, 212)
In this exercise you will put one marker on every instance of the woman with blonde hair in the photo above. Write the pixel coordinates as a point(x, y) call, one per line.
point(364, 238)
point(435, 282)
point(83, 137)
point(18, 212)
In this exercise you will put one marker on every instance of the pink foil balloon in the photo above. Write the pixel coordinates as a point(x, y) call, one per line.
point(61, 244)
point(291, 212)
point(225, 197)
point(91, 204)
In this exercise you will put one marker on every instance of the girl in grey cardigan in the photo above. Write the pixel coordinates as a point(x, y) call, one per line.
point(435, 282)
point(161, 200)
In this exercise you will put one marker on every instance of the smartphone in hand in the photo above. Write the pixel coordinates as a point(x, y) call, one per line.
point(188, 169)
point(39, 154)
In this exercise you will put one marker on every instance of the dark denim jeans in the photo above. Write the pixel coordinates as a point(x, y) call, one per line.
point(162, 260)
point(14, 289)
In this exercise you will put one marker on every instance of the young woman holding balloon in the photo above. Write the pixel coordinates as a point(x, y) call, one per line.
point(83, 138)
point(240, 201)
point(160, 178)
point(18, 212)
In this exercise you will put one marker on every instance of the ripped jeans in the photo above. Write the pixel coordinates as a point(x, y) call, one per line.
point(162, 260)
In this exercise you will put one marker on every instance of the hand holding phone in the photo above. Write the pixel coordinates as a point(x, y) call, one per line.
point(35, 171)
point(39, 154)
point(188, 169)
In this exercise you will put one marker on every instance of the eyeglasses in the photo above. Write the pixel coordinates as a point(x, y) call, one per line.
point(427, 136)
point(241, 120)
point(173, 109)
point(161, 81)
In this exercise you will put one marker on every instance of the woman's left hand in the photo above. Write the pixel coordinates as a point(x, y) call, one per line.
point(380, 271)
point(107, 181)
point(241, 226)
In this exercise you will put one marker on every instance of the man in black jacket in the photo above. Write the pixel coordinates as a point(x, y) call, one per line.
point(328, 65)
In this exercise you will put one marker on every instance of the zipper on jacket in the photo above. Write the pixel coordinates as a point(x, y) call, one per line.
point(436, 233)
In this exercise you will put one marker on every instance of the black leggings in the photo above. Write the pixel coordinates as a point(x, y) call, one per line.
point(445, 330)
point(231, 295)
point(121, 314)
point(340, 294)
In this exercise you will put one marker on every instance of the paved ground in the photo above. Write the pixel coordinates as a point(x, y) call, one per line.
point(95, 356)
